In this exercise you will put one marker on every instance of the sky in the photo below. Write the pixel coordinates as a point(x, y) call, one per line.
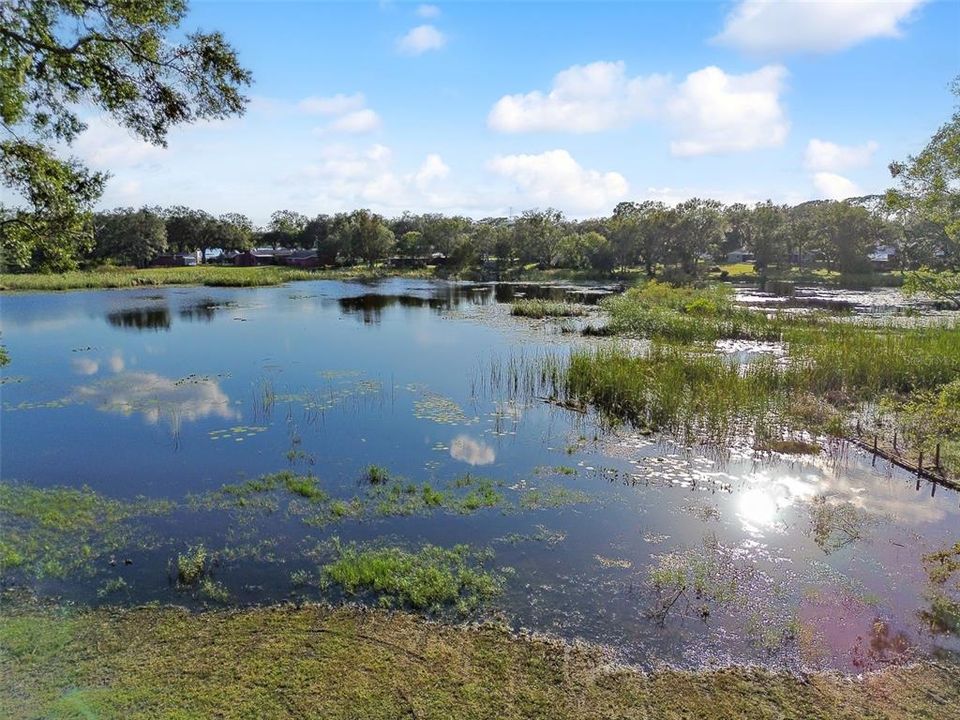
point(491, 108)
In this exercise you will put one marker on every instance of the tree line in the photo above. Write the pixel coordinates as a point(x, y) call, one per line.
point(679, 239)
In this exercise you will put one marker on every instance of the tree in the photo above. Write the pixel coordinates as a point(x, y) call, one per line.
point(846, 234)
point(536, 234)
point(930, 182)
point(410, 244)
point(185, 228)
point(698, 227)
point(286, 228)
point(766, 237)
point(234, 232)
point(364, 236)
point(128, 236)
point(120, 57)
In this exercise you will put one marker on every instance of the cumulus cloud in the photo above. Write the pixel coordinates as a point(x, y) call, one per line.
point(105, 144)
point(428, 11)
point(473, 452)
point(715, 112)
point(711, 111)
point(332, 105)
point(785, 26)
point(835, 187)
point(582, 99)
point(347, 177)
point(359, 121)
point(822, 155)
point(555, 178)
point(421, 39)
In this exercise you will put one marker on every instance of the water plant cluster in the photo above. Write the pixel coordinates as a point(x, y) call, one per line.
point(532, 308)
point(833, 369)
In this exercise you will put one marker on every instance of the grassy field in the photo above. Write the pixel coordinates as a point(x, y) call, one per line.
point(316, 662)
point(211, 275)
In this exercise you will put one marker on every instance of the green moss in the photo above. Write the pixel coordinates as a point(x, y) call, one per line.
point(285, 663)
point(430, 578)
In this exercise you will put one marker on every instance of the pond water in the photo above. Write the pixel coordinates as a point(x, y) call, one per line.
point(667, 554)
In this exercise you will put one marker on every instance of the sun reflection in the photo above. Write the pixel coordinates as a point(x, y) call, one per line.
point(757, 509)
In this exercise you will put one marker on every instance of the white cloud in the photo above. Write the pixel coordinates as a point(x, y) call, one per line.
point(709, 112)
point(333, 105)
point(583, 98)
point(473, 452)
point(358, 121)
point(713, 112)
point(835, 187)
point(433, 168)
point(555, 178)
point(822, 155)
point(428, 11)
point(105, 144)
point(421, 39)
point(348, 178)
point(772, 26)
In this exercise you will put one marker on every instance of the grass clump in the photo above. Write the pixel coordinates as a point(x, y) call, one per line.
point(554, 496)
point(241, 494)
point(943, 571)
point(284, 663)
point(539, 309)
point(430, 578)
point(191, 565)
point(376, 475)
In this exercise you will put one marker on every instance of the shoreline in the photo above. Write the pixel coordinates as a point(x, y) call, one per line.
point(318, 660)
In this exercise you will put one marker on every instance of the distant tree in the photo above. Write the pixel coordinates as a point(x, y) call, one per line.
point(186, 228)
point(440, 231)
point(536, 235)
point(929, 183)
point(766, 237)
point(127, 59)
point(285, 228)
point(697, 229)
point(846, 235)
point(410, 244)
point(364, 236)
point(129, 237)
point(318, 234)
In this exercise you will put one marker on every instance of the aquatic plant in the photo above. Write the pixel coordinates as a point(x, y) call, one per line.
point(191, 565)
point(429, 578)
point(539, 309)
point(51, 532)
point(376, 474)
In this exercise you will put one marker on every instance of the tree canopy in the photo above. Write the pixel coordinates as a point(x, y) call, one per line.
point(59, 58)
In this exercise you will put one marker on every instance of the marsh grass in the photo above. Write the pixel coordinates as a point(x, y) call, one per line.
point(51, 532)
point(210, 275)
point(427, 579)
point(538, 309)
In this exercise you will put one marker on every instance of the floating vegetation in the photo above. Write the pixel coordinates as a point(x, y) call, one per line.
point(237, 432)
point(38, 405)
point(608, 562)
point(376, 474)
point(553, 496)
point(52, 532)
point(213, 590)
point(13, 379)
point(543, 535)
point(112, 587)
point(440, 409)
point(430, 578)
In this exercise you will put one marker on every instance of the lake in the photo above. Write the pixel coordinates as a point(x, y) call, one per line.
point(172, 393)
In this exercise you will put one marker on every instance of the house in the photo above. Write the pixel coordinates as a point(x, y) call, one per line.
point(262, 256)
point(303, 259)
point(739, 256)
point(883, 257)
point(178, 260)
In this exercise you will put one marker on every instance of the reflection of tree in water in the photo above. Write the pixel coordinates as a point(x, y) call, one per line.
point(203, 310)
point(883, 646)
point(141, 318)
point(835, 525)
point(370, 306)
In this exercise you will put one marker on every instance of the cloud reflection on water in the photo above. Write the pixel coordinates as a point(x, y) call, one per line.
point(473, 452)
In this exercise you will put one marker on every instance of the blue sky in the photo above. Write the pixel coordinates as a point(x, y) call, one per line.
point(480, 108)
